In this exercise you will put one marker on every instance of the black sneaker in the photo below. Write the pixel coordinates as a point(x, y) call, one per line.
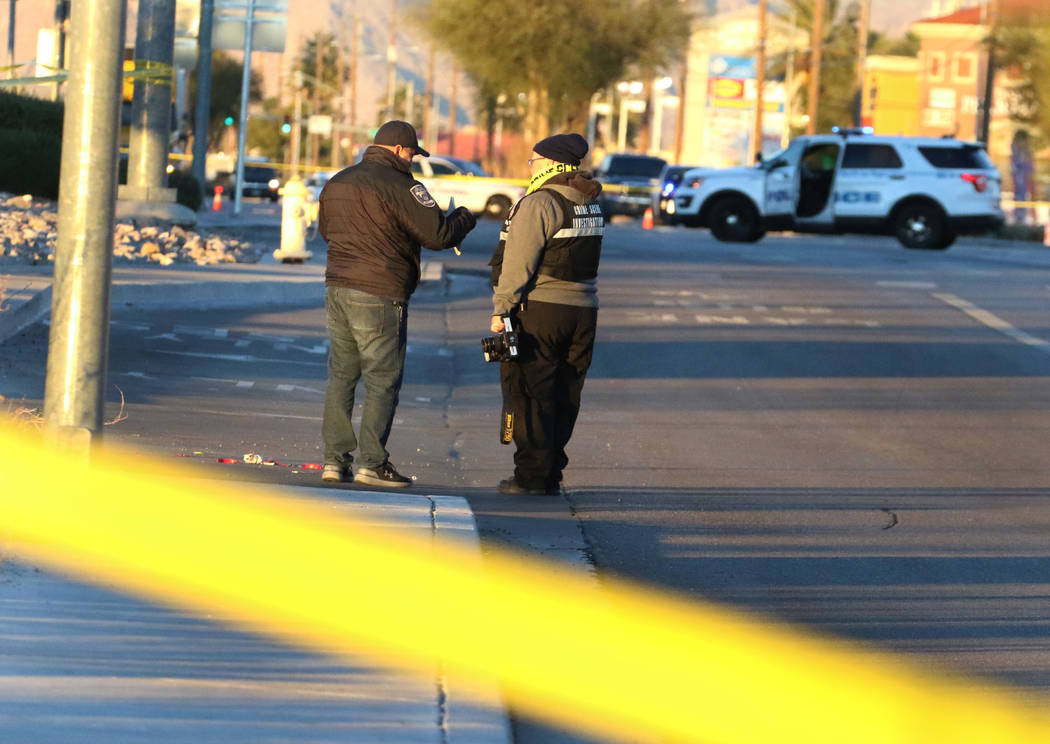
point(384, 475)
point(511, 486)
point(335, 473)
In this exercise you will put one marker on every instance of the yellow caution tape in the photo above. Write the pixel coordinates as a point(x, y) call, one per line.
point(619, 661)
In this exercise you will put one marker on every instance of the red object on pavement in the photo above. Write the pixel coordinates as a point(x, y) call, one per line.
point(227, 460)
point(647, 219)
point(312, 466)
point(216, 202)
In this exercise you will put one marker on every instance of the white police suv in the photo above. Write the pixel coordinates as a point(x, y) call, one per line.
point(923, 190)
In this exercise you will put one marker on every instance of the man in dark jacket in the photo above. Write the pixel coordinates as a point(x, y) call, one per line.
point(545, 273)
point(374, 216)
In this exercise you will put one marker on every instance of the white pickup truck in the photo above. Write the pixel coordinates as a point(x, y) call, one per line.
point(925, 191)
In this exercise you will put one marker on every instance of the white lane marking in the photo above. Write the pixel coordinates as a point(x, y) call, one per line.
point(255, 414)
point(245, 384)
point(993, 321)
point(238, 357)
point(318, 349)
point(242, 343)
point(130, 326)
point(214, 379)
point(907, 285)
point(280, 347)
point(285, 388)
point(221, 332)
point(139, 375)
point(722, 320)
point(165, 337)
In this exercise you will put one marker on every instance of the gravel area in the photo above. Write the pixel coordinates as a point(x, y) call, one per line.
point(29, 229)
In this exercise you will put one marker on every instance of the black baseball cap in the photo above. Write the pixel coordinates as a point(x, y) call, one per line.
point(399, 133)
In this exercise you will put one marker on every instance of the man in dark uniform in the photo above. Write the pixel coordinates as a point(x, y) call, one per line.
point(544, 276)
point(374, 216)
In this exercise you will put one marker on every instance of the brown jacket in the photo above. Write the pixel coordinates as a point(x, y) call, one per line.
point(375, 216)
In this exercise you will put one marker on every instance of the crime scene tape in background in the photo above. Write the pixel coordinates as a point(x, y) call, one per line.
point(620, 661)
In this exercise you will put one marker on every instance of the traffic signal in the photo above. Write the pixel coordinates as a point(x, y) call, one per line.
point(286, 126)
point(228, 121)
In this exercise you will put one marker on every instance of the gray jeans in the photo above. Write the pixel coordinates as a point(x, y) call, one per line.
point(368, 336)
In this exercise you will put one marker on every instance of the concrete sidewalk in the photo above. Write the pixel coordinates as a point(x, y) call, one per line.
point(82, 664)
point(27, 289)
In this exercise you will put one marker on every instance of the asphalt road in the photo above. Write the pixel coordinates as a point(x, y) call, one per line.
point(833, 432)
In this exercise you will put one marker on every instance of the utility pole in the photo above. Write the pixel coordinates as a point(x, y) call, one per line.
point(151, 103)
point(862, 58)
point(340, 68)
point(79, 336)
point(760, 82)
point(816, 42)
point(391, 61)
point(11, 41)
point(297, 124)
point(353, 86)
point(203, 112)
point(452, 112)
point(985, 121)
point(315, 103)
point(428, 102)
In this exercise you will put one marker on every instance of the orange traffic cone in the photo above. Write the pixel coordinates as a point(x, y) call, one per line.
point(216, 202)
point(1046, 235)
point(647, 219)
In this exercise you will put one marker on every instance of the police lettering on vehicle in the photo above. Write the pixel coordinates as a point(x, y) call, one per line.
point(421, 195)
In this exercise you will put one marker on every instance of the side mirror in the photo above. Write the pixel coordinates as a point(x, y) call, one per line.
point(758, 158)
point(778, 163)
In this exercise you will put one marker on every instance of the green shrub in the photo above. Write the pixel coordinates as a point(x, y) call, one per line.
point(31, 114)
point(188, 191)
point(30, 162)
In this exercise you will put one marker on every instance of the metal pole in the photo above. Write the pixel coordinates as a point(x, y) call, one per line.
point(11, 41)
point(203, 113)
point(242, 125)
point(816, 42)
point(391, 62)
point(79, 336)
point(862, 58)
point(297, 125)
point(151, 103)
point(760, 82)
point(985, 121)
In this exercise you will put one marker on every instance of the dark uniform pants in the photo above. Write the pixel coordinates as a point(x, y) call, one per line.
point(543, 387)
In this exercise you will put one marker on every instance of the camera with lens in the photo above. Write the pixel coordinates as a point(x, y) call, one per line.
point(503, 347)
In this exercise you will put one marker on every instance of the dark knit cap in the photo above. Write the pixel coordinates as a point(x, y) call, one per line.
point(563, 148)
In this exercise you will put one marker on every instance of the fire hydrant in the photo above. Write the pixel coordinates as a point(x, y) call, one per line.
point(298, 212)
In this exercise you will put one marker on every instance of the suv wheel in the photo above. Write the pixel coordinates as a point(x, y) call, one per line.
point(735, 220)
point(497, 207)
point(921, 226)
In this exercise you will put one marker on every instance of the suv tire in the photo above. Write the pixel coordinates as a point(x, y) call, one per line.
point(922, 226)
point(734, 219)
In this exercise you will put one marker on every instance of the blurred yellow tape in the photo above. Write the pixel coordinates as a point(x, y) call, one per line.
point(621, 662)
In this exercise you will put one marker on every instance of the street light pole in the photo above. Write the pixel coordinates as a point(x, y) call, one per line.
point(203, 112)
point(79, 335)
point(11, 42)
point(242, 125)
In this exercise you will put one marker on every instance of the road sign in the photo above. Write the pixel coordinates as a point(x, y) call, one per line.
point(319, 124)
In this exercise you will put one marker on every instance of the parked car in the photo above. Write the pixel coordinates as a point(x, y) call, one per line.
point(452, 178)
point(924, 190)
point(315, 182)
point(628, 182)
point(259, 180)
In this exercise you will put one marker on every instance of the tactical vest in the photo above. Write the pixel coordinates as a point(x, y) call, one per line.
point(573, 253)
